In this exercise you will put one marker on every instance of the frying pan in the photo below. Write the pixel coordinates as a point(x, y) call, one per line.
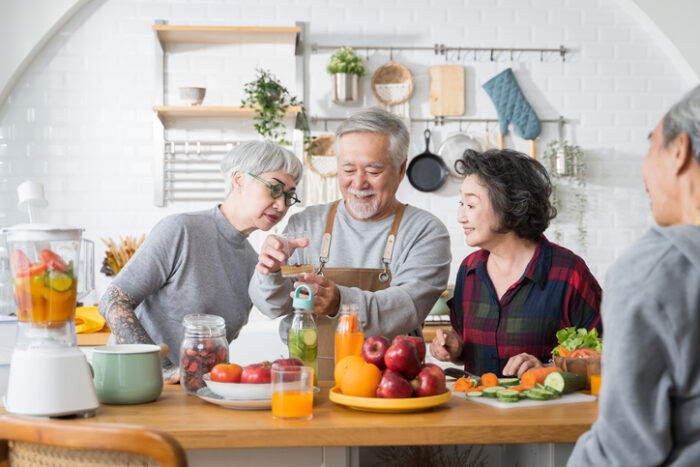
point(427, 171)
point(452, 149)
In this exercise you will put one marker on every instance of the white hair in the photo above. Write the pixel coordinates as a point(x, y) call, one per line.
point(684, 117)
point(258, 157)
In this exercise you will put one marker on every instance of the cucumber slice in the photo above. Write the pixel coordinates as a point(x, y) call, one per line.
point(508, 395)
point(60, 281)
point(310, 337)
point(474, 394)
point(508, 382)
point(538, 394)
point(492, 391)
point(564, 382)
point(539, 386)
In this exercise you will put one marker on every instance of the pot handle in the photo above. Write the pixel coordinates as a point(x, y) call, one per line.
point(164, 350)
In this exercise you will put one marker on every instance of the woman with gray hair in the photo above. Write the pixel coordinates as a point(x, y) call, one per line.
point(202, 262)
point(515, 292)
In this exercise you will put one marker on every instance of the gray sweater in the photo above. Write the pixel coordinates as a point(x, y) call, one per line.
point(420, 268)
point(190, 263)
point(650, 399)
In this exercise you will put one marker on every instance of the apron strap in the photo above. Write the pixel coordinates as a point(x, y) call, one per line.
point(388, 249)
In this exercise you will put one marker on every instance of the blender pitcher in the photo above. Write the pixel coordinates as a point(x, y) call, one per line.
point(49, 375)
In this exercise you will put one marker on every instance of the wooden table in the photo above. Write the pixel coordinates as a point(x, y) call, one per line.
point(200, 425)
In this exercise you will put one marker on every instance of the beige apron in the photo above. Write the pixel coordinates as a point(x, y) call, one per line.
point(368, 279)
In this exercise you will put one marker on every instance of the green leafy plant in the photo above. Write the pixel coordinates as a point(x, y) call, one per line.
point(270, 100)
point(567, 168)
point(345, 60)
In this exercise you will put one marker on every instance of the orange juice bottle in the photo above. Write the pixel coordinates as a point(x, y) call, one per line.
point(348, 335)
point(293, 405)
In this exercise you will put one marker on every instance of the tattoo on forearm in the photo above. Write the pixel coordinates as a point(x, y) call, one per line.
point(117, 307)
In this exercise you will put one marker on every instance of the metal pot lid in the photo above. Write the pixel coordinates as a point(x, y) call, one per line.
point(452, 149)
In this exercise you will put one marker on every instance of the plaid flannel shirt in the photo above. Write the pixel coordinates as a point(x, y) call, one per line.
point(556, 291)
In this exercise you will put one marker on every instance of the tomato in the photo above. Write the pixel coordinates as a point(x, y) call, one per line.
point(585, 353)
point(53, 261)
point(226, 373)
point(19, 261)
point(32, 270)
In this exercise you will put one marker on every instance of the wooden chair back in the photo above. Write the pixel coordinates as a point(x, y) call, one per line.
point(26, 441)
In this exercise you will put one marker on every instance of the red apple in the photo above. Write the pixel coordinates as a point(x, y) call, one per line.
point(287, 363)
point(417, 341)
point(257, 373)
point(373, 350)
point(402, 356)
point(430, 381)
point(394, 386)
point(226, 373)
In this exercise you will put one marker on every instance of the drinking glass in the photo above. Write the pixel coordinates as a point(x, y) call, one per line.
point(595, 384)
point(348, 335)
point(299, 258)
point(292, 393)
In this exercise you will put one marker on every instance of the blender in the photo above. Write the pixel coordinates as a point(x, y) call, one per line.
point(49, 375)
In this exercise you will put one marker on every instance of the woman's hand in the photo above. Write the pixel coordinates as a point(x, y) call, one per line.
point(326, 293)
point(447, 346)
point(272, 257)
point(519, 364)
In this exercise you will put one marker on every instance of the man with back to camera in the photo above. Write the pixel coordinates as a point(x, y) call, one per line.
point(390, 259)
point(650, 395)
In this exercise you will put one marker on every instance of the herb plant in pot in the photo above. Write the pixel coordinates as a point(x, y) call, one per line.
point(346, 69)
point(270, 100)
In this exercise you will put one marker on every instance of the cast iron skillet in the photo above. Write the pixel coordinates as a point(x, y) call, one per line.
point(427, 171)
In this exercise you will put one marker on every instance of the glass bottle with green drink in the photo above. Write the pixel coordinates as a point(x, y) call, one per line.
point(303, 335)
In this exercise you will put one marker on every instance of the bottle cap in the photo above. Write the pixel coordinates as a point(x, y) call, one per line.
point(301, 302)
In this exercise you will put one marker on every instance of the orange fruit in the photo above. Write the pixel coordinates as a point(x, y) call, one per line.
point(361, 380)
point(342, 366)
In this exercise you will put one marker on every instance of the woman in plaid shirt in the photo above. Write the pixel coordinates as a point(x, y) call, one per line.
point(515, 292)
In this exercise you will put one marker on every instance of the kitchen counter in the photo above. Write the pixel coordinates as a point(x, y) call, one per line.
point(200, 425)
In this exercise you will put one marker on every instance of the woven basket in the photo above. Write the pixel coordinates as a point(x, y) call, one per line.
point(392, 73)
point(322, 162)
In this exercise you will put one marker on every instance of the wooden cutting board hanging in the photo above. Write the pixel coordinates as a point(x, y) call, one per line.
point(447, 90)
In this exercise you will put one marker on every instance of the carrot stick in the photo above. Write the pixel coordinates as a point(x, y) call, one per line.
point(531, 377)
point(563, 351)
point(489, 380)
point(462, 385)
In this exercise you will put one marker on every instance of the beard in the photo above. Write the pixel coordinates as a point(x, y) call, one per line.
point(359, 209)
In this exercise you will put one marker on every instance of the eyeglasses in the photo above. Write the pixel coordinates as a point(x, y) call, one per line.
point(277, 190)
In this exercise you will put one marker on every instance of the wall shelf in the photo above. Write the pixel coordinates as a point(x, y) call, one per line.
point(226, 34)
point(196, 111)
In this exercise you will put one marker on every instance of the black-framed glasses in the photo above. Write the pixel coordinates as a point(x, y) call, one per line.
point(277, 190)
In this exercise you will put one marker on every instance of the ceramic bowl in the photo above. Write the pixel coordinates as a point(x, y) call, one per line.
point(192, 96)
point(239, 391)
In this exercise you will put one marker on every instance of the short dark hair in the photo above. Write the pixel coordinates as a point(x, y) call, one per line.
point(518, 187)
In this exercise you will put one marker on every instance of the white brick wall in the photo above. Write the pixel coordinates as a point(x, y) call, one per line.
point(79, 120)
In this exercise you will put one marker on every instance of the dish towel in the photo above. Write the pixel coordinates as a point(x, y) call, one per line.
point(512, 106)
point(88, 320)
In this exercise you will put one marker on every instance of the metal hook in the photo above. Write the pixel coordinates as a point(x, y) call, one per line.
point(367, 53)
point(474, 54)
point(325, 125)
point(491, 54)
point(541, 55)
point(391, 54)
point(460, 125)
point(427, 124)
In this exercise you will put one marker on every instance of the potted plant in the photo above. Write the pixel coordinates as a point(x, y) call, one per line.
point(567, 168)
point(270, 100)
point(346, 68)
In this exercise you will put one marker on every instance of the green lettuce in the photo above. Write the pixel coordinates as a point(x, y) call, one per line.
point(572, 339)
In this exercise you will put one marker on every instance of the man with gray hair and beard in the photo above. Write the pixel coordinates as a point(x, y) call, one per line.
point(650, 397)
point(389, 259)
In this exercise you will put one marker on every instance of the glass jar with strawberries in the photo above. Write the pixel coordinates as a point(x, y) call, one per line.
point(203, 346)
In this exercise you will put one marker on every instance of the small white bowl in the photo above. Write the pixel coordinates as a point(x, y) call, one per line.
point(192, 96)
point(239, 391)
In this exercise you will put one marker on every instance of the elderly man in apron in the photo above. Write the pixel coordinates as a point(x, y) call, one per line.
point(389, 259)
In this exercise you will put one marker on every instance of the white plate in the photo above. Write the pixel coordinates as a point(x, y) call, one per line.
point(207, 395)
point(239, 391)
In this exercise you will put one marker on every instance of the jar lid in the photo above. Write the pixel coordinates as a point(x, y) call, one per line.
point(303, 303)
point(203, 323)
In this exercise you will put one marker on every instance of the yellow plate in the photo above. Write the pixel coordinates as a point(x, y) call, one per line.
point(375, 404)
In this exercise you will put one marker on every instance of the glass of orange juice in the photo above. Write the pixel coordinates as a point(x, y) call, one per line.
point(595, 384)
point(348, 335)
point(292, 393)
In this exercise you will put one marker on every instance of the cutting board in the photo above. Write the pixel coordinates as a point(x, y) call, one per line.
point(447, 90)
point(573, 398)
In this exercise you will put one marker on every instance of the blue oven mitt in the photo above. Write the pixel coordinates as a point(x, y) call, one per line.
point(512, 106)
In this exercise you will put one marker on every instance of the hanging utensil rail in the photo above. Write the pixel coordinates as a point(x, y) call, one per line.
point(561, 121)
point(442, 49)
